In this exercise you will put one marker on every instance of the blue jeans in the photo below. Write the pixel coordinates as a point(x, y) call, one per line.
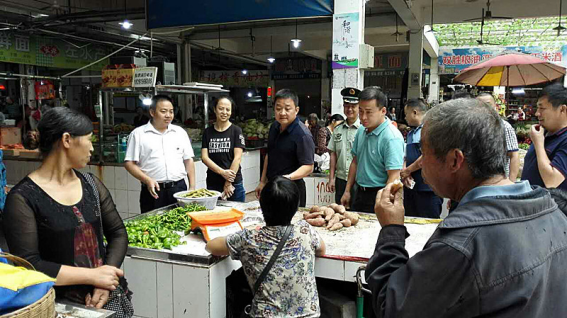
point(239, 193)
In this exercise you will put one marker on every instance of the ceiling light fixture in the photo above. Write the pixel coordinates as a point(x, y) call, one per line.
point(146, 99)
point(126, 24)
point(244, 72)
point(296, 41)
point(271, 59)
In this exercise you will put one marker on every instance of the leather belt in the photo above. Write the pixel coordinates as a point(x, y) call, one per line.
point(361, 188)
point(169, 184)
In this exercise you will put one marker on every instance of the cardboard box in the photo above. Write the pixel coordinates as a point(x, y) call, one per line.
point(109, 78)
point(10, 135)
point(125, 77)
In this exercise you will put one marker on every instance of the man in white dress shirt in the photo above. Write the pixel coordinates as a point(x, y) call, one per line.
point(160, 155)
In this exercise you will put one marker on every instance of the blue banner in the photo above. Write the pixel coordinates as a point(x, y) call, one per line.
point(175, 13)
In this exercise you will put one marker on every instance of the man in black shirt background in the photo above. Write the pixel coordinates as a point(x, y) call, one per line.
point(291, 148)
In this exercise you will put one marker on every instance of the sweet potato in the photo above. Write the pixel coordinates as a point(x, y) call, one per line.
point(317, 222)
point(346, 223)
point(333, 206)
point(353, 217)
point(340, 209)
point(336, 226)
point(335, 219)
point(313, 215)
point(315, 208)
point(341, 217)
point(329, 213)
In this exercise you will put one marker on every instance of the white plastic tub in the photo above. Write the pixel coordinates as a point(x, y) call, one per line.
point(208, 202)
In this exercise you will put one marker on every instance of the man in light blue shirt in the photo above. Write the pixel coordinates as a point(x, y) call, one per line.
point(378, 152)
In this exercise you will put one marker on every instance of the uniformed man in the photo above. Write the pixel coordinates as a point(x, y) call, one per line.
point(340, 145)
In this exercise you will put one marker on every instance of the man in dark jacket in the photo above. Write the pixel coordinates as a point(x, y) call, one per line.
point(501, 253)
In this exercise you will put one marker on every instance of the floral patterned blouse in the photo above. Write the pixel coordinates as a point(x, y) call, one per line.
point(289, 289)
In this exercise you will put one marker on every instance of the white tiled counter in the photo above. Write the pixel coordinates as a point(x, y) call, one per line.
point(125, 189)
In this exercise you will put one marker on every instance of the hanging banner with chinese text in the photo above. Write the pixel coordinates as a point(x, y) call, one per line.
point(49, 52)
point(260, 78)
point(454, 60)
point(345, 40)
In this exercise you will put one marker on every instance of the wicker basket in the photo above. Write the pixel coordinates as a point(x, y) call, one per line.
point(43, 308)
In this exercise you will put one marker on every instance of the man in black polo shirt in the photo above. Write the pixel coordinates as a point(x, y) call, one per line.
point(290, 146)
point(545, 163)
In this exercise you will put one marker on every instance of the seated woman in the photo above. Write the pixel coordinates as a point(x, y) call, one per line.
point(56, 217)
point(289, 289)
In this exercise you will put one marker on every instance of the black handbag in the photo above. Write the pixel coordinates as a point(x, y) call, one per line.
point(119, 299)
point(260, 280)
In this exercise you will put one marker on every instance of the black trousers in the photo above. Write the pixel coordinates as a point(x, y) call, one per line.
point(302, 192)
point(340, 186)
point(365, 200)
point(165, 196)
point(424, 204)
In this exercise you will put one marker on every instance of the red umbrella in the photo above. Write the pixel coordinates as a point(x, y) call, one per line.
point(510, 69)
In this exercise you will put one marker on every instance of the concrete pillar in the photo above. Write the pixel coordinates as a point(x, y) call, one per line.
point(415, 64)
point(434, 81)
point(347, 77)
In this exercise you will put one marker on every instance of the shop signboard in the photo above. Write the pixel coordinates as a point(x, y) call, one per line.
point(145, 77)
point(297, 68)
point(235, 78)
point(454, 60)
point(49, 52)
point(345, 40)
point(175, 13)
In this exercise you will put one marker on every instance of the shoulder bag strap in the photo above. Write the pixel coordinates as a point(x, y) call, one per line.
point(272, 259)
point(98, 211)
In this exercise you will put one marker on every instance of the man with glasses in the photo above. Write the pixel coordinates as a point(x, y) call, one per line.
point(340, 145)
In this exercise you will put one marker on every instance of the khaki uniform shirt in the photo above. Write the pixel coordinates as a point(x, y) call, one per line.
point(341, 143)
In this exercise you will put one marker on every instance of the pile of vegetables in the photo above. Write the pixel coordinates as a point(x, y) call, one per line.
point(333, 217)
point(200, 193)
point(253, 129)
point(159, 231)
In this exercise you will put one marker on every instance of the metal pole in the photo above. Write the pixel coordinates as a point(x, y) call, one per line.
point(103, 115)
point(23, 99)
point(206, 110)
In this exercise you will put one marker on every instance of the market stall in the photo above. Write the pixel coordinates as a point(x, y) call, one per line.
point(187, 280)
